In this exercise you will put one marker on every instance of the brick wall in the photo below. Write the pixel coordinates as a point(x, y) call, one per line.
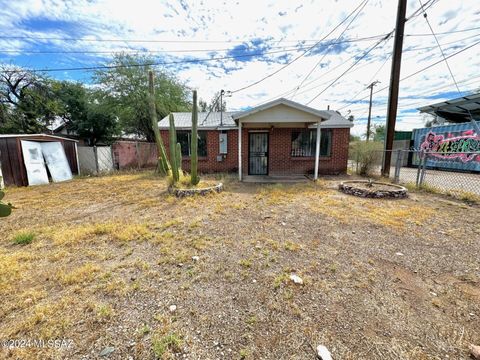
point(280, 162)
point(134, 154)
point(210, 163)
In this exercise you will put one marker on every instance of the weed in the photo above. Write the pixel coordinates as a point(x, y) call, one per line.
point(144, 330)
point(104, 311)
point(246, 263)
point(243, 353)
point(168, 343)
point(23, 238)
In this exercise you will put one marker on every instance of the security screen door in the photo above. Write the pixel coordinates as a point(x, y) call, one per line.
point(258, 153)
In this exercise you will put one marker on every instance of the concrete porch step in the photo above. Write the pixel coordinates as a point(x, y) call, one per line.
point(272, 179)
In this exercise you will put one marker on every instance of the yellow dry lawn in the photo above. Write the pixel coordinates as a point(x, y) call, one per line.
point(109, 255)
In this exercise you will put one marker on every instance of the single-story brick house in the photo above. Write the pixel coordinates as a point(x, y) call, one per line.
point(278, 138)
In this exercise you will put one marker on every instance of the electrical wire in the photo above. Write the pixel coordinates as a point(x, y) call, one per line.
point(328, 48)
point(418, 71)
point(298, 57)
point(351, 67)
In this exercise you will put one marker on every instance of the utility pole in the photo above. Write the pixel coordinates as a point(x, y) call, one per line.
point(221, 106)
point(394, 84)
point(370, 107)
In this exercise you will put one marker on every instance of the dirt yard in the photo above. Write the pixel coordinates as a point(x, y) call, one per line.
point(98, 263)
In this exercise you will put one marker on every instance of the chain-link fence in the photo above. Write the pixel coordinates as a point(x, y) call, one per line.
point(457, 173)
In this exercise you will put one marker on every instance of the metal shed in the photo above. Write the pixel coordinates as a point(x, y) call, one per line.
point(13, 167)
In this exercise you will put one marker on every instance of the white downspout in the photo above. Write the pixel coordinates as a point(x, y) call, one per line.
point(317, 152)
point(239, 150)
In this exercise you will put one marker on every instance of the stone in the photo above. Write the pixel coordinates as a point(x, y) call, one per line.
point(296, 279)
point(107, 351)
point(399, 254)
point(323, 353)
point(475, 351)
point(172, 308)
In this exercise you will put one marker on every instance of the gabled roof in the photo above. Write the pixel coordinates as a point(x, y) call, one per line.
point(227, 119)
point(282, 101)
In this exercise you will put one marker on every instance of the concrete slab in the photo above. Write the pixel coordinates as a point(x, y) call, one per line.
point(274, 179)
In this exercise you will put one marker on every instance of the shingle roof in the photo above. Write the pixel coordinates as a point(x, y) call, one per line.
point(184, 120)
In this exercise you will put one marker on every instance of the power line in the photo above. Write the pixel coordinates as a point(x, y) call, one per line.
point(448, 66)
point(328, 47)
point(446, 32)
point(298, 57)
point(185, 61)
point(351, 67)
point(293, 47)
point(418, 71)
point(416, 13)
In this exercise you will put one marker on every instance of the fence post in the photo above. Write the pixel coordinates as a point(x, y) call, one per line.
point(398, 165)
point(424, 167)
point(95, 155)
point(419, 167)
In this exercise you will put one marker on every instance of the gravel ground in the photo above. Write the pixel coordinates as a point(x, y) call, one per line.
point(382, 279)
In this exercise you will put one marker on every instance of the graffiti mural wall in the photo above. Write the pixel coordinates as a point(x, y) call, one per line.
point(455, 147)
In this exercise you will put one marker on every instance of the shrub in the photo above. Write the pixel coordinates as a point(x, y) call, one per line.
point(171, 342)
point(23, 238)
point(365, 155)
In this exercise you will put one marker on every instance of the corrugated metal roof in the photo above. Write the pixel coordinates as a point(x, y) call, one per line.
point(184, 120)
point(36, 135)
point(331, 118)
point(456, 110)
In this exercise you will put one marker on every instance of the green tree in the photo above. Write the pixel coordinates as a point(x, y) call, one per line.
point(126, 84)
point(87, 112)
point(28, 102)
point(379, 133)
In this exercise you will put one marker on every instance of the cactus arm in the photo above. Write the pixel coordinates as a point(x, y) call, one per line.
point(194, 143)
point(173, 142)
point(178, 157)
point(163, 166)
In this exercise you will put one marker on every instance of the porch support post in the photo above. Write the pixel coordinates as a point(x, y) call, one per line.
point(239, 150)
point(317, 151)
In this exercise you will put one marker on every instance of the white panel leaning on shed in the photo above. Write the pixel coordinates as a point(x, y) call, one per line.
point(33, 159)
point(56, 160)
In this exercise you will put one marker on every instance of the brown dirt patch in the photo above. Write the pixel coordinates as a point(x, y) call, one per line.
point(388, 279)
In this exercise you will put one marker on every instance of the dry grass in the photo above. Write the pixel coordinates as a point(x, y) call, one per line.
point(102, 259)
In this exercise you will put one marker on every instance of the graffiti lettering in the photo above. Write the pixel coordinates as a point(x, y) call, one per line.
point(464, 147)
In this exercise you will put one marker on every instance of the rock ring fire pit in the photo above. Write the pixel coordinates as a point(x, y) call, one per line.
point(197, 191)
point(372, 189)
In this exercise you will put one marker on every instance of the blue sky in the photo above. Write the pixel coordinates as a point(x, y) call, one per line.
point(275, 30)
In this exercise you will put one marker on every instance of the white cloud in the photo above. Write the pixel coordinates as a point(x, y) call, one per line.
point(225, 24)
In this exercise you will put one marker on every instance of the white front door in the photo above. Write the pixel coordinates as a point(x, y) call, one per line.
point(56, 160)
point(33, 159)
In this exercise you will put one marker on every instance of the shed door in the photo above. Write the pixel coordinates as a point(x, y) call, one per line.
point(33, 159)
point(258, 153)
point(56, 160)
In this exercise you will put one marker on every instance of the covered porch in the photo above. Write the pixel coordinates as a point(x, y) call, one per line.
point(268, 149)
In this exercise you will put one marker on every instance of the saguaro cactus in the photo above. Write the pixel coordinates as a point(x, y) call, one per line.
point(163, 165)
point(194, 142)
point(178, 157)
point(173, 149)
